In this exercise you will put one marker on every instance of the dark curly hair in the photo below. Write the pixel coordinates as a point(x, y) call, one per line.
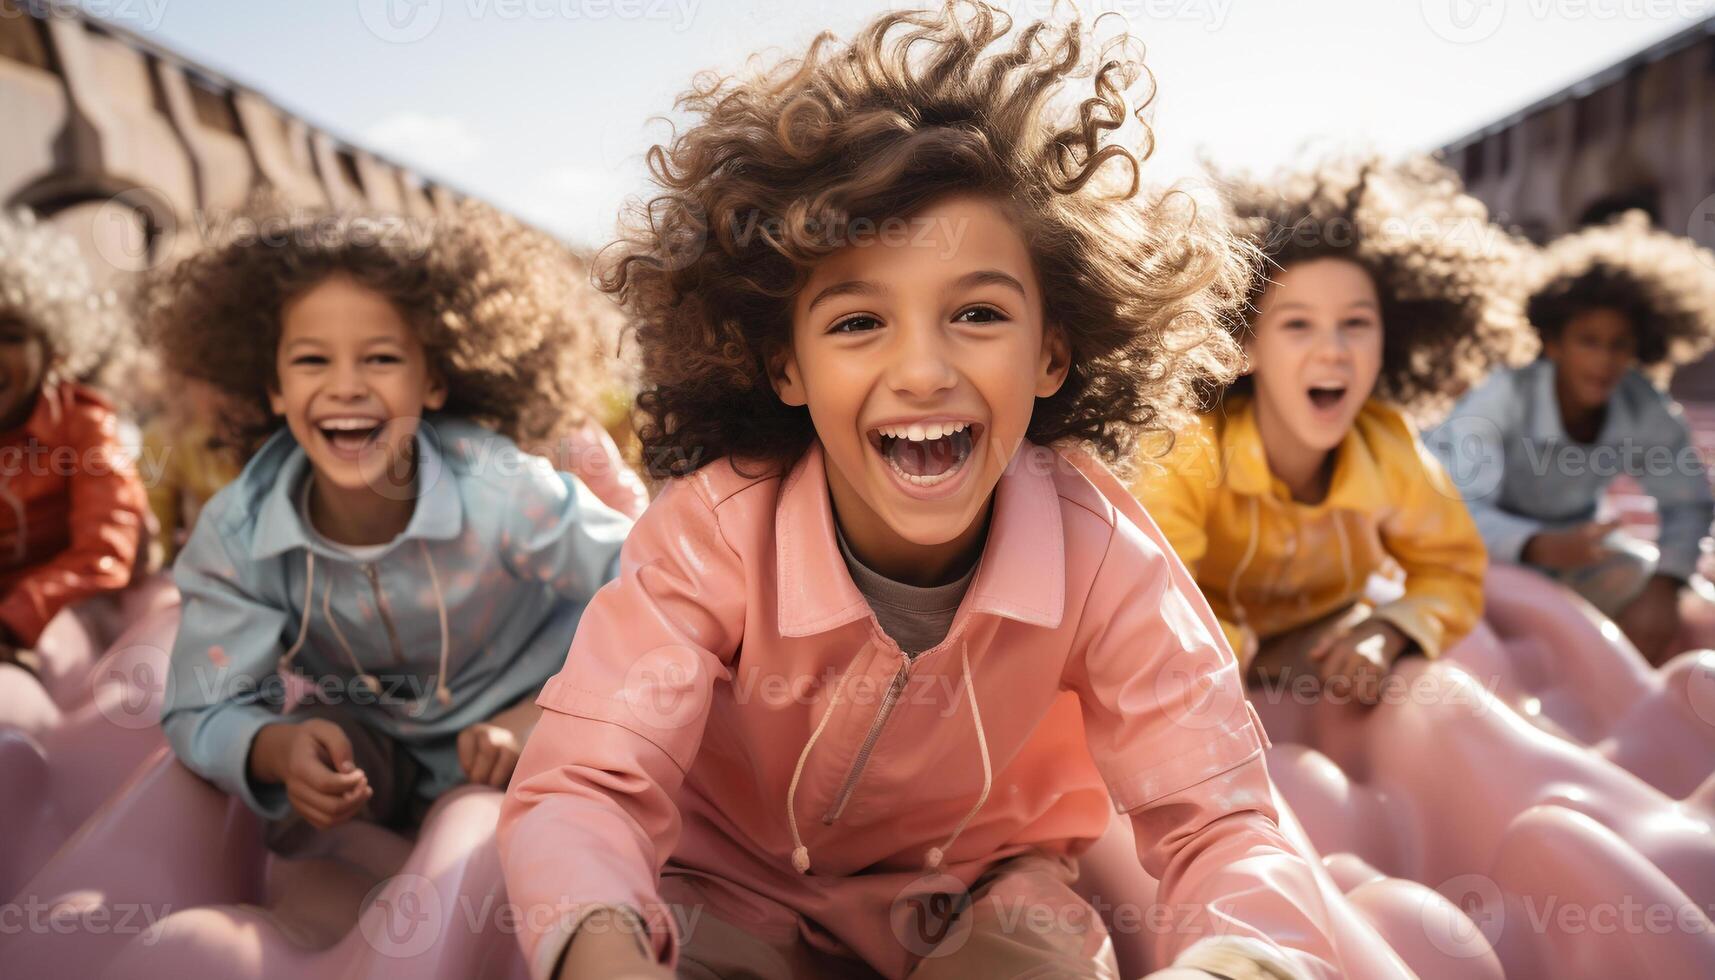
point(1663, 284)
point(1445, 275)
point(507, 315)
point(920, 106)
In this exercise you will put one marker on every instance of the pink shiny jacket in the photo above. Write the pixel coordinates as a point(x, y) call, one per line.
point(731, 709)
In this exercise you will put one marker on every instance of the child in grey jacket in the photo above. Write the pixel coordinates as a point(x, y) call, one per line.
point(1532, 449)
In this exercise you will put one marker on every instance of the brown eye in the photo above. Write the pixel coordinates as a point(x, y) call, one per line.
point(855, 324)
point(980, 314)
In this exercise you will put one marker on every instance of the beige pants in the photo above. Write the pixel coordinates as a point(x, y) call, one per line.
point(1023, 921)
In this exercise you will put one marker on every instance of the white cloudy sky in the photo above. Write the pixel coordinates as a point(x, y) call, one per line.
point(541, 105)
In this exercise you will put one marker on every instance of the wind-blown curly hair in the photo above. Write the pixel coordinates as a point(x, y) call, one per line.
point(920, 106)
point(46, 284)
point(1445, 275)
point(507, 315)
point(1664, 284)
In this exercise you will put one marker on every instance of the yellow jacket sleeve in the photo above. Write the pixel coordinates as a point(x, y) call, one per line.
point(1176, 489)
point(164, 485)
point(1433, 538)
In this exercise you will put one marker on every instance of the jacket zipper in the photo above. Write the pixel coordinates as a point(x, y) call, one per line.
point(888, 700)
point(386, 617)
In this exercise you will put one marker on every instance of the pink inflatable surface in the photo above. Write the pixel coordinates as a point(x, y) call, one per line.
point(1538, 803)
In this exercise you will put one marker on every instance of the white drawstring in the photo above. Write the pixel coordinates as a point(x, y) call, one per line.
point(937, 853)
point(1244, 563)
point(443, 694)
point(800, 853)
point(309, 600)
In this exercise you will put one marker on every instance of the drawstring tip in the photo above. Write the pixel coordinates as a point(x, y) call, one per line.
point(370, 682)
point(932, 860)
point(801, 859)
point(444, 696)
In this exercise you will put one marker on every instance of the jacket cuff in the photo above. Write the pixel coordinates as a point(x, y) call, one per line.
point(1237, 958)
point(1418, 626)
point(233, 729)
point(654, 940)
point(20, 620)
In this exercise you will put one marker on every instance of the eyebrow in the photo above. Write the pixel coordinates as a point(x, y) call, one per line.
point(862, 287)
point(1300, 305)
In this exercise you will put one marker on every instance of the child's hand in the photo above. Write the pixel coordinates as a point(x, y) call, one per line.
point(1652, 620)
point(1356, 659)
point(313, 759)
point(608, 947)
point(1574, 547)
point(488, 752)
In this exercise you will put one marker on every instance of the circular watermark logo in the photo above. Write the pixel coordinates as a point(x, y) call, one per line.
point(400, 21)
point(1199, 696)
point(401, 916)
point(1469, 447)
point(132, 231)
point(128, 686)
point(1701, 228)
point(405, 472)
point(1464, 21)
point(661, 687)
point(928, 916)
point(1700, 686)
point(1470, 920)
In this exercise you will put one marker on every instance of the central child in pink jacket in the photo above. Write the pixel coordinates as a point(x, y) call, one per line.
point(878, 665)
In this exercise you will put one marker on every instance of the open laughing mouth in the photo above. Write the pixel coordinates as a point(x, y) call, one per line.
point(1327, 397)
point(350, 435)
point(926, 454)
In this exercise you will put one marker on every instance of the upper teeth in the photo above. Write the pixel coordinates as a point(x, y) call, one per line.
point(922, 433)
point(349, 424)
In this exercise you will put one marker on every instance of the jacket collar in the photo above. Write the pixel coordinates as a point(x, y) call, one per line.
point(438, 515)
point(1020, 576)
point(1357, 483)
point(45, 419)
point(1545, 424)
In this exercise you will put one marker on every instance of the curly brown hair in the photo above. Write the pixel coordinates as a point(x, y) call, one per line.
point(1446, 275)
point(920, 106)
point(1664, 284)
point(47, 285)
point(507, 315)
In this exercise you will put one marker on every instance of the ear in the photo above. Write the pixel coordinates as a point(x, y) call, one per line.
point(276, 401)
point(787, 379)
point(436, 397)
point(1054, 361)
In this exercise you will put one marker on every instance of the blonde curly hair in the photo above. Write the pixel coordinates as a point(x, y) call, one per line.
point(506, 314)
point(921, 105)
point(1664, 284)
point(46, 284)
point(1445, 274)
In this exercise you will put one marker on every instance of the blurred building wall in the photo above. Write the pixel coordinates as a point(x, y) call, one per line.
point(1640, 134)
point(135, 150)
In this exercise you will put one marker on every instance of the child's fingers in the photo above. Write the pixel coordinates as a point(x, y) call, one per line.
point(334, 746)
point(1323, 644)
point(317, 776)
point(467, 750)
point(482, 771)
point(321, 811)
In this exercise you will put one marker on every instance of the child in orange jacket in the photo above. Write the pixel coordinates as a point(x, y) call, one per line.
point(71, 504)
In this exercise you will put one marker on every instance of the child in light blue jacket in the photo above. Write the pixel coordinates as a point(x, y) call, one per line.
point(388, 543)
point(1533, 449)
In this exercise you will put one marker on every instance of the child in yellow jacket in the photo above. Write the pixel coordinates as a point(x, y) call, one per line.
point(1327, 540)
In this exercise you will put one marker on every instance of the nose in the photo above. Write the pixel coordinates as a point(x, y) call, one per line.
point(921, 363)
point(347, 381)
point(1334, 347)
